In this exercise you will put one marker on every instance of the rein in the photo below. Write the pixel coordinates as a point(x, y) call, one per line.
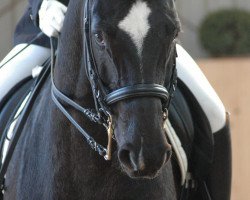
point(22, 119)
point(94, 117)
point(39, 35)
point(101, 114)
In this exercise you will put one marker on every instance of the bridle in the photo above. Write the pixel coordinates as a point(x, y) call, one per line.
point(103, 100)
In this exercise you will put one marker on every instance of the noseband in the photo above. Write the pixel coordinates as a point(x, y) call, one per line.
point(139, 90)
point(104, 100)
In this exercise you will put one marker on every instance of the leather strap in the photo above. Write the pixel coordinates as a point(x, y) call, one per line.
point(87, 112)
point(55, 93)
point(21, 123)
point(38, 36)
point(93, 144)
point(135, 91)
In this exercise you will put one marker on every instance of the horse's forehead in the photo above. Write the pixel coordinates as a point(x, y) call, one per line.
point(136, 23)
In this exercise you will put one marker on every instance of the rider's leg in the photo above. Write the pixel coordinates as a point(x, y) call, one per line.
point(191, 75)
point(20, 67)
point(219, 175)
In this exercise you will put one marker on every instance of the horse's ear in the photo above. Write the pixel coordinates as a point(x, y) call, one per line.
point(171, 6)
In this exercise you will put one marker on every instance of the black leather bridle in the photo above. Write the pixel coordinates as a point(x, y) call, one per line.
point(103, 100)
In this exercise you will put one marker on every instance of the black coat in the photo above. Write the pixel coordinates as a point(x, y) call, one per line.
point(28, 26)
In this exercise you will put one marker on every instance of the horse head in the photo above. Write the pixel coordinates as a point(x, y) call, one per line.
point(133, 44)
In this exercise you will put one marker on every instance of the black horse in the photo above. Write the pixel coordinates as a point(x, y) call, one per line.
point(133, 43)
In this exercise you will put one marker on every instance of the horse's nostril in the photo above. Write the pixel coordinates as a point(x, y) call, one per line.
point(124, 156)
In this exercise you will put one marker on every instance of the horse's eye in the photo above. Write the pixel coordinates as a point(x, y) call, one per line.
point(100, 38)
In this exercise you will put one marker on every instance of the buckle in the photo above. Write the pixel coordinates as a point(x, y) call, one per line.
point(110, 131)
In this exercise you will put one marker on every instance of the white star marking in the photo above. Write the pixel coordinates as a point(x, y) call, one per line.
point(136, 23)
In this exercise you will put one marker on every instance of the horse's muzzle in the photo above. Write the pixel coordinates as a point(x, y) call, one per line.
point(144, 164)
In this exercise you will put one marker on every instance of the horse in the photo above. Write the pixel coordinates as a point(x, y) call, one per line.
point(126, 50)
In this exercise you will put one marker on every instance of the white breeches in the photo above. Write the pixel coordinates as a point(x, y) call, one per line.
point(20, 67)
point(190, 73)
